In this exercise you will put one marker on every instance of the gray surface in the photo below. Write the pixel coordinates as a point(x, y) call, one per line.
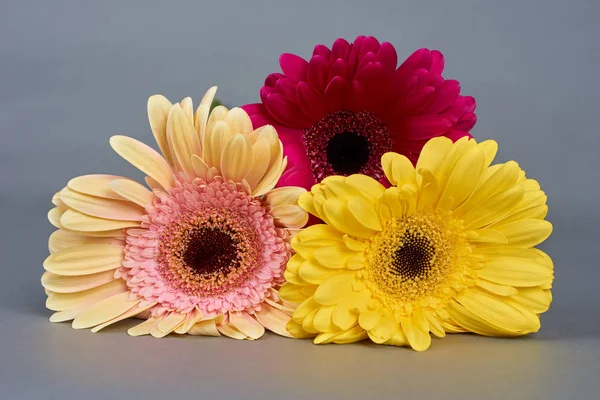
point(71, 75)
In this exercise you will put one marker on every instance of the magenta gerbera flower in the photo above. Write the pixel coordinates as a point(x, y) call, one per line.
point(339, 112)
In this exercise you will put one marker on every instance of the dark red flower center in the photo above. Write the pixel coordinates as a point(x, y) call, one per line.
point(346, 143)
point(211, 250)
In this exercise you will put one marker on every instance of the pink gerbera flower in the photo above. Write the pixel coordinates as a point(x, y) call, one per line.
point(339, 112)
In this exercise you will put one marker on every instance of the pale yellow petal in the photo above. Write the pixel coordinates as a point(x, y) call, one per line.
point(143, 329)
point(95, 185)
point(183, 140)
point(104, 310)
point(190, 320)
point(71, 284)
point(70, 301)
point(273, 319)
point(85, 259)
point(61, 239)
point(100, 207)
point(201, 116)
point(246, 324)
point(187, 105)
point(144, 158)
point(158, 111)
point(200, 167)
point(238, 121)
point(214, 143)
point(227, 329)
point(55, 215)
point(77, 221)
point(167, 324)
point(261, 156)
point(236, 159)
point(289, 216)
point(204, 328)
point(133, 312)
point(132, 191)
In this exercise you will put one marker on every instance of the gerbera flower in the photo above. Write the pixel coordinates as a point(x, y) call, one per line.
point(202, 253)
point(339, 112)
point(448, 248)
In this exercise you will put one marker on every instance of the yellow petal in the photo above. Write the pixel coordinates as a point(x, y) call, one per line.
point(104, 310)
point(85, 259)
point(492, 209)
point(486, 236)
point(132, 191)
point(71, 284)
point(236, 159)
point(158, 111)
point(352, 335)
point(463, 179)
point(312, 272)
point(489, 148)
point(536, 299)
point(364, 212)
point(323, 321)
point(101, 207)
point(343, 318)
point(525, 233)
point(497, 289)
point(334, 289)
point(386, 327)
point(512, 271)
point(71, 301)
point(183, 140)
point(418, 339)
point(77, 221)
point(95, 185)
point(398, 169)
point(369, 319)
point(341, 217)
point(433, 153)
point(398, 339)
point(498, 315)
point(366, 185)
point(144, 158)
point(295, 329)
point(429, 192)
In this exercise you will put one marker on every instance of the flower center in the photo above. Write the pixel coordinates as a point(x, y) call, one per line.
point(421, 259)
point(348, 152)
point(346, 143)
point(210, 251)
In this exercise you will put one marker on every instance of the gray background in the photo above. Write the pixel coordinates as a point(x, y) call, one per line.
point(73, 74)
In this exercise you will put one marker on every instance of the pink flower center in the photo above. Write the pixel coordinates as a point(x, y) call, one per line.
point(206, 246)
point(346, 143)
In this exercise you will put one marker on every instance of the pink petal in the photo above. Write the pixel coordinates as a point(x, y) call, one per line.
point(311, 101)
point(293, 67)
point(318, 69)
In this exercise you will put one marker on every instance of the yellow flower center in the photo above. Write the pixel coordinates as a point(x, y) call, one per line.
point(421, 259)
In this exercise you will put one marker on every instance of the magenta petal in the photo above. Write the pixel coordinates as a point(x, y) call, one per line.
point(323, 51)
point(259, 120)
point(457, 134)
point(419, 59)
point(387, 56)
point(445, 96)
point(287, 88)
point(318, 70)
point(369, 58)
point(354, 50)
point(422, 127)
point(411, 104)
point(339, 68)
point(437, 62)
point(340, 49)
point(368, 45)
point(290, 137)
point(466, 122)
point(311, 101)
point(265, 91)
point(469, 103)
point(358, 99)
point(285, 111)
point(297, 176)
point(337, 89)
point(254, 109)
point(293, 67)
point(273, 78)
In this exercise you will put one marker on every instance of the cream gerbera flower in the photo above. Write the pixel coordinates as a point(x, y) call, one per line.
point(202, 253)
point(448, 248)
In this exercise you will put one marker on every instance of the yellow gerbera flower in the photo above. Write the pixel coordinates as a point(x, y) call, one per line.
point(448, 248)
point(202, 253)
